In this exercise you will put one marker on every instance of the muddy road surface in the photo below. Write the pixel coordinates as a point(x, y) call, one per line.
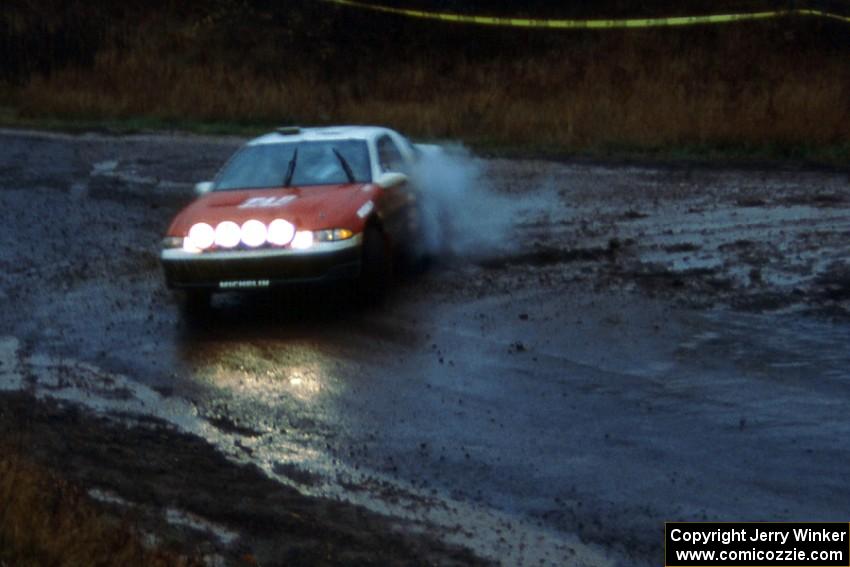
point(602, 348)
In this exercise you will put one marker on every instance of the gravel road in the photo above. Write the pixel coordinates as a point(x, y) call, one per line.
point(613, 346)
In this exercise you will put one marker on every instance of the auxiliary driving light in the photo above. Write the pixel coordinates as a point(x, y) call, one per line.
point(227, 234)
point(280, 232)
point(201, 236)
point(253, 233)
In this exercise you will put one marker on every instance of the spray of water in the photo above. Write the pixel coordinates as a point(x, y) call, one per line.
point(464, 217)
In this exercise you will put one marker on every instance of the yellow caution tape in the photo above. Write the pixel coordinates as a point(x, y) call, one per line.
point(588, 24)
point(822, 14)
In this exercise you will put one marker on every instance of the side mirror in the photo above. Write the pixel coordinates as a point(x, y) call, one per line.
point(203, 187)
point(390, 179)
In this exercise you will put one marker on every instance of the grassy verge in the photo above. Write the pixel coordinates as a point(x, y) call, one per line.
point(829, 155)
point(759, 90)
point(44, 520)
point(11, 118)
point(834, 155)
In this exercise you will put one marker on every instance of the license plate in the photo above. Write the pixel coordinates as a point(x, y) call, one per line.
point(243, 284)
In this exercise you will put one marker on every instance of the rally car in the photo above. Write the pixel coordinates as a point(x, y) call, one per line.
point(299, 205)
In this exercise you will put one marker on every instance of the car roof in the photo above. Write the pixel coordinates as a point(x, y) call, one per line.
point(323, 133)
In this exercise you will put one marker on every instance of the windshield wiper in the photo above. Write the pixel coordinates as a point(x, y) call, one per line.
point(290, 169)
point(345, 166)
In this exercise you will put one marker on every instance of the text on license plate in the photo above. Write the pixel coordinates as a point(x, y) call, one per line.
point(242, 284)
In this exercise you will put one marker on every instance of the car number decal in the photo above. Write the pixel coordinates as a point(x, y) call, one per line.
point(266, 202)
point(365, 209)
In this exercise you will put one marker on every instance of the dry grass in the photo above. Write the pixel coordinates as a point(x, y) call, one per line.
point(46, 521)
point(763, 84)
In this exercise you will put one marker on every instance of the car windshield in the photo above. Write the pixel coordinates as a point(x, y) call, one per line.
point(314, 163)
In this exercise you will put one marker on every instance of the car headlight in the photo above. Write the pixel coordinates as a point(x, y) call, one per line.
point(332, 235)
point(302, 239)
point(253, 234)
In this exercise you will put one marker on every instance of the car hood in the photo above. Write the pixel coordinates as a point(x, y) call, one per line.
point(308, 208)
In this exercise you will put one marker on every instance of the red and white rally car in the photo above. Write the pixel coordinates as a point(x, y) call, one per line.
point(299, 205)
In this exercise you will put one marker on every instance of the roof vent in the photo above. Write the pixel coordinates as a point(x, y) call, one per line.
point(288, 130)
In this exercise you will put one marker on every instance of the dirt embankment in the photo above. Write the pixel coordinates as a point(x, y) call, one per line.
point(178, 492)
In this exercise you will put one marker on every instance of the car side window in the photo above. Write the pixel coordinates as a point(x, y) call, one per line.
point(389, 155)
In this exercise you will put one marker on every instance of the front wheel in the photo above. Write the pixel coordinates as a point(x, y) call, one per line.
point(196, 305)
point(376, 265)
point(416, 255)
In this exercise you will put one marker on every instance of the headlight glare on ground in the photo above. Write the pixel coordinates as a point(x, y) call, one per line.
point(201, 236)
point(280, 232)
point(332, 235)
point(303, 239)
point(227, 234)
point(253, 233)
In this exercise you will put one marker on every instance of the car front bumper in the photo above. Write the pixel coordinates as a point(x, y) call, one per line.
point(255, 269)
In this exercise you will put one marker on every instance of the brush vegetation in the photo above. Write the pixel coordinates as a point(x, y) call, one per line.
point(774, 86)
point(44, 520)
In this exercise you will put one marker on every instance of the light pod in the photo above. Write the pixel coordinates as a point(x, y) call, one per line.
point(201, 236)
point(253, 233)
point(227, 234)
point(280, 232)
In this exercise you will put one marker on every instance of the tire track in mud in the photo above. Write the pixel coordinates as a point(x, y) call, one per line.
point(748, 239)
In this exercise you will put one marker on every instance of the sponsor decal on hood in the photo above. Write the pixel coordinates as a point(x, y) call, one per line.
point(266, 202)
